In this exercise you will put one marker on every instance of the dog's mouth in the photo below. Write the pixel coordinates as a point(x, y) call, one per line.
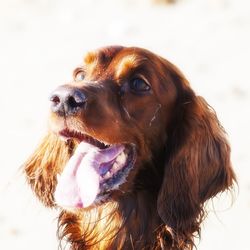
point(94, 170)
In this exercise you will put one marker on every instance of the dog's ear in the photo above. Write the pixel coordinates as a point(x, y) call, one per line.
point(44, 164)
point(197, 163)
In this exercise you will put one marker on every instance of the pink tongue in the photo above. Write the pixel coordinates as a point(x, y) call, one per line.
point(79, 182)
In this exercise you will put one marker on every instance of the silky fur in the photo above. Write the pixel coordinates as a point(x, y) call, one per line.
point(184, 160)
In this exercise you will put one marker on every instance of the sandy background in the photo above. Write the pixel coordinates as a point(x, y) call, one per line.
point(41, 41)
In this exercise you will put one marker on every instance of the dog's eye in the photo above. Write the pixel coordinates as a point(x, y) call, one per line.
point(79, 75)
point(139, 85)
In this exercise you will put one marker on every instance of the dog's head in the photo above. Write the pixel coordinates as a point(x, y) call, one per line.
point(130, 121)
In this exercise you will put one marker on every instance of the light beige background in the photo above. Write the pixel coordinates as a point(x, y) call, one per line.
point(41, 41)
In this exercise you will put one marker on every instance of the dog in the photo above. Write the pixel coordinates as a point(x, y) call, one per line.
point(131, 156)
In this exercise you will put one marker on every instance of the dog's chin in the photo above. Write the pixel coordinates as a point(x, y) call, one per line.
point(95, 173)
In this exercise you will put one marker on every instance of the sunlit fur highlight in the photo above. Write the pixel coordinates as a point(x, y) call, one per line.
point(90, 58)
point(50, 157)
point(127, 64)
point(97, 226)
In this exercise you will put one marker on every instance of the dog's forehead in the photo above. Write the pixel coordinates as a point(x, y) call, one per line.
point(115, 61)
point(102, 55)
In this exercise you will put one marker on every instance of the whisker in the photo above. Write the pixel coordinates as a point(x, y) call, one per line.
point(154, 116)
point(126, 111)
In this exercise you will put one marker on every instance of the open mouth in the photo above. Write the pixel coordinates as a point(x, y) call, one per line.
point(95, 169)
point(67, 134)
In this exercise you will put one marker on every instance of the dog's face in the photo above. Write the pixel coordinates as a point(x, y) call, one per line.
point(129, 128)
point(115, 113)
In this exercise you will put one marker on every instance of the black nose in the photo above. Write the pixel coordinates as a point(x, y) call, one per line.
point(67, 100)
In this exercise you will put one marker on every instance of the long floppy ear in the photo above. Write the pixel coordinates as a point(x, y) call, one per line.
point(197, 164)
point(44, 164)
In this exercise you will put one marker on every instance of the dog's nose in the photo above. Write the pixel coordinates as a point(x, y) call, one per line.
point(67, 100)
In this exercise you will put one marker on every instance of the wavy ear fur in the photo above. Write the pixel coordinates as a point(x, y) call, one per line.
point(44, 164)
point(197, 164)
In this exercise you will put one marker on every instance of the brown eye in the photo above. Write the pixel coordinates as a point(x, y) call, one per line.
point(79, 76)
point(139, 85)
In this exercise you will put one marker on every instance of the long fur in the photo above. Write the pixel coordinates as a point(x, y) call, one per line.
point(166, 207)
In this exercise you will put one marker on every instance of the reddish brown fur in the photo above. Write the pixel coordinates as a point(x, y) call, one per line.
point(183, 155)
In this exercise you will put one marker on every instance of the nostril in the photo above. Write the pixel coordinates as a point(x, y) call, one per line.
point(73, 103)
point(55, 99)
point(76, 99)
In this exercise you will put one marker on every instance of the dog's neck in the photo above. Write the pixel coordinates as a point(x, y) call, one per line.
point(131, 223)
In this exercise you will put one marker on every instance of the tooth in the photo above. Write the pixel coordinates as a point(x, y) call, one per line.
point(121, 158)
point(115, 166)
point(108, 174)
point(118, 158)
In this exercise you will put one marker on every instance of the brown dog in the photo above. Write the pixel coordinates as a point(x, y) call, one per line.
point(131, 156)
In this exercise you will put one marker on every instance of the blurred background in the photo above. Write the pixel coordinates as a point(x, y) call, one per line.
point(41, 41)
